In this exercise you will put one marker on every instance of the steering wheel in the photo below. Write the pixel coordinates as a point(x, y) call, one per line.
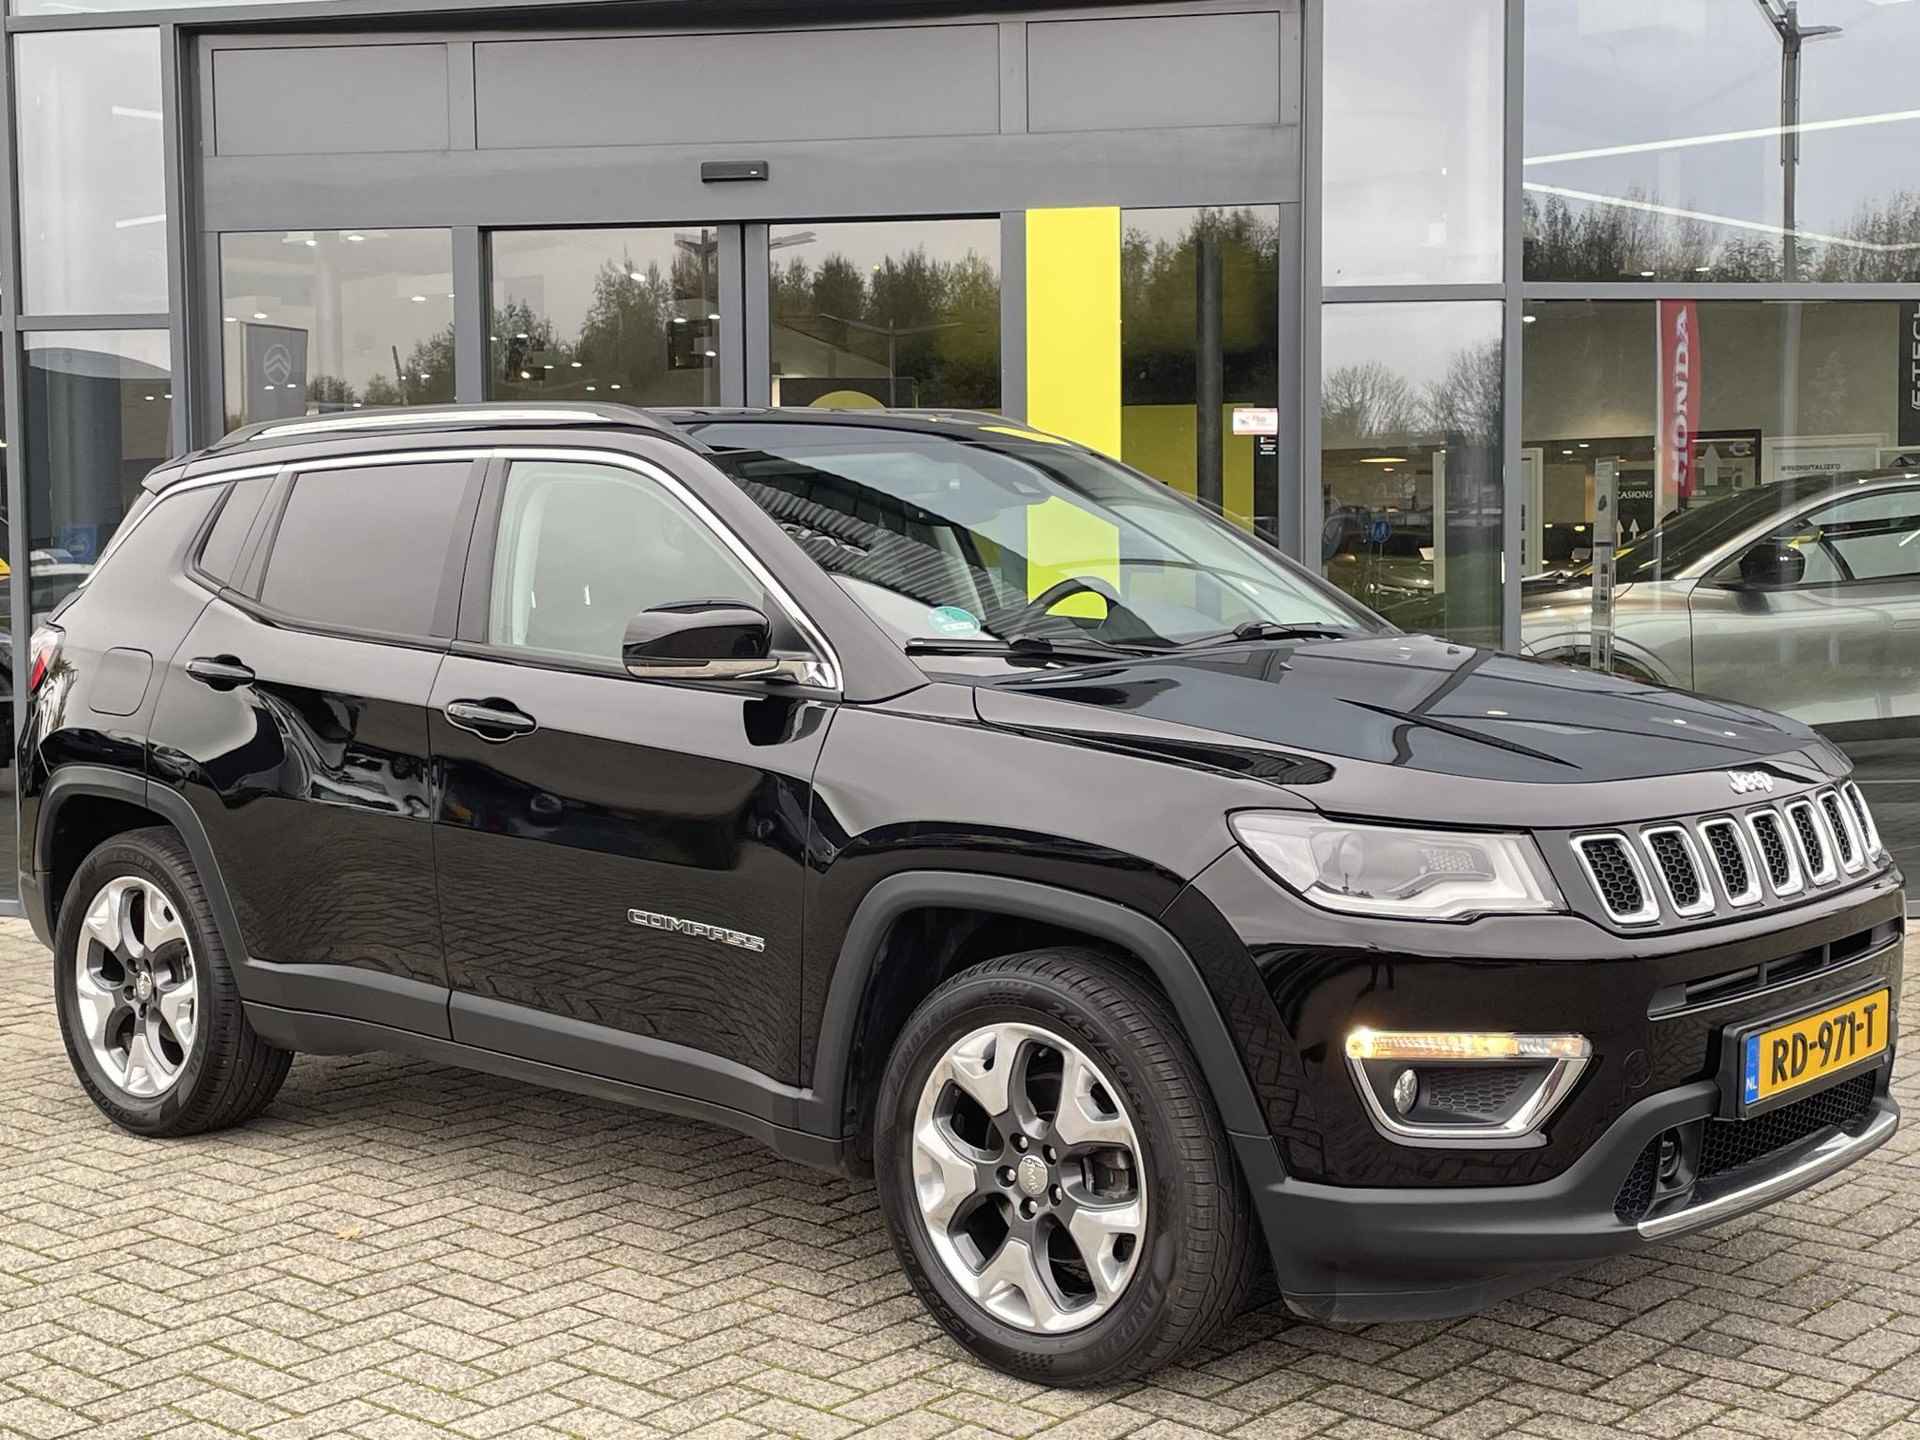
point(1065, 590)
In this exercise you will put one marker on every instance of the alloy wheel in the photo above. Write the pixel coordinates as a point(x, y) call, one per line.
point(1030, 1177)
point(135, 982)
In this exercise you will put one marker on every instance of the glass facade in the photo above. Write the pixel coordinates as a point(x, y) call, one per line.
point(1721, 140)
point(315, 321)
point(1199, 339)
point(891, 312)
point(1412, 142)
point(92, 190)
point(1411, 474)
point(630, 314)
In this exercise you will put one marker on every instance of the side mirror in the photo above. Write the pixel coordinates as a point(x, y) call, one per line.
point(700, 640)
point(1772, 565)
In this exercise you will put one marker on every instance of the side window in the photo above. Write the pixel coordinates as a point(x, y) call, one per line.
point(366, 549)
point(220, 556)
point(584, 548)
point(1875, 537)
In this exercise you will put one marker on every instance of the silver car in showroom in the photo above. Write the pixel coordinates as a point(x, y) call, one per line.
point(1801, 596)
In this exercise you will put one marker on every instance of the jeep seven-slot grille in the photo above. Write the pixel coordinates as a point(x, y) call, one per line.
point(1675, 870)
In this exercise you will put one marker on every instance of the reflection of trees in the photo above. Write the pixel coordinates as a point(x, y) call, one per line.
point(1159, 281)
point(1371, 401)
point(1591, 241)
point(639, 325)
point(943, 315)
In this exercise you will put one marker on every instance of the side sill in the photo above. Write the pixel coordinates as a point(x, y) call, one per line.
point(318, 1034)
point(349, 991)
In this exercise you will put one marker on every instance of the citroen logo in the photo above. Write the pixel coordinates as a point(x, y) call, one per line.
point(1744, 782)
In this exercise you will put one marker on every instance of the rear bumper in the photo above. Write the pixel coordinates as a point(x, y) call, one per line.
point(1416, 1253)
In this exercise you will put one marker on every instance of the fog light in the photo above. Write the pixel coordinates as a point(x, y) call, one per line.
point(1405, 1091)
point(1463, 1087)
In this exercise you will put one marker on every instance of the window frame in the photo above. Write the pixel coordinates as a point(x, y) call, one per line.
point(1726, 574)
point(244, 592)
point(476, 591)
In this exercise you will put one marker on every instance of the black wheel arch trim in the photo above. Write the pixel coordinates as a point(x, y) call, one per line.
point(1139, 934)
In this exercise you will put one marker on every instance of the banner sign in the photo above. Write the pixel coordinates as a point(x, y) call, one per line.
point(1679, 408)
point(274, 361)
point(1908, 407)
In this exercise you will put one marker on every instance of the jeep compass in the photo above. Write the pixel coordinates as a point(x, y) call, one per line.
point(939, 801)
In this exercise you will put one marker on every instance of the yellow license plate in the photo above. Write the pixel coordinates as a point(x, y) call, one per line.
point(1812, 1047)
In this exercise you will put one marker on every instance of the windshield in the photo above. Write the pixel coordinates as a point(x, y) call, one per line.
point(995, 533)
point(1695, 533)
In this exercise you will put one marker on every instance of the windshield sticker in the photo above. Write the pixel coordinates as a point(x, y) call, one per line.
point(952, 620)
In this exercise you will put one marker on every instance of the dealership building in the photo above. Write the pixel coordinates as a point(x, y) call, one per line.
point(1444, 296)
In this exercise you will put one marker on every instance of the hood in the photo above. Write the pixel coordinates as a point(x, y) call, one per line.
point(1407, 702)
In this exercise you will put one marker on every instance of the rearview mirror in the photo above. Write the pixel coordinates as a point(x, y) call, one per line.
point(1772, 565)
point(699, 640)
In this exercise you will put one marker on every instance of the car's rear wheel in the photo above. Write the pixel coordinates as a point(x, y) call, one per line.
point(1055, 1177)
point(152, 1021)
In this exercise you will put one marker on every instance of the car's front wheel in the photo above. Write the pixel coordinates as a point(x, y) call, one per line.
point(152, 1021)
point(1057, 1182)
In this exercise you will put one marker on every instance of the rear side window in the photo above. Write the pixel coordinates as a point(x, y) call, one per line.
point(367, 549)
point(220, 556)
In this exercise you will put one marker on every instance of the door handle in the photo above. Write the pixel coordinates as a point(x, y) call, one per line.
point(492, 720)
point(220, 672)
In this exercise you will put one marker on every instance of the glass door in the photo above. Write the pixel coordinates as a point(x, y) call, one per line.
point(645, 315)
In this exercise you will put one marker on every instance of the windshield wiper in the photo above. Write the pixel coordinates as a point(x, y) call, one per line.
point(1272, 630)
point(1021, 647)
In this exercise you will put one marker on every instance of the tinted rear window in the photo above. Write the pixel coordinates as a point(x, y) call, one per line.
point(366, 549)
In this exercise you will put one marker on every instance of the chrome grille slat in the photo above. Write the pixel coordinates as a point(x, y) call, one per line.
point(1842, 826)
point(1810, 835)
point(1869, 832)
point(1682, 876)
point(1617, 877)
point(1732, 862)
point(1770, 834)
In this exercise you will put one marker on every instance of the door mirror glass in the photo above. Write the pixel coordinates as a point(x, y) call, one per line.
point(1772, 564)
point(700, 640)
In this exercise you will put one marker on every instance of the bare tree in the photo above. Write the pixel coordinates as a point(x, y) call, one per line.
point(1366, 402)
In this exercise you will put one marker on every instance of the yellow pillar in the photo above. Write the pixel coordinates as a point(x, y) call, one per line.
point(1073, 324)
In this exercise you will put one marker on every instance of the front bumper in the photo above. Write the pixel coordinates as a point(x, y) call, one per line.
point(1373, 1254)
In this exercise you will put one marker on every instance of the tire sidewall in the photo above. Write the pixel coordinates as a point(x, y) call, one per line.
point(110, 862)
point(1132, 1323)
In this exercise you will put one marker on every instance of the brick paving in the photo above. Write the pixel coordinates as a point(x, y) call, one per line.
point(398, 1250)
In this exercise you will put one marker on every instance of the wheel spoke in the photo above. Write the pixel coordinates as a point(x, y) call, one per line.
point(1097, 1231)
point(161, 924)
point(1085, 1118)
point(983, 1066)
point(147, 1070)
point(100, 1007)
point(943, 1178)
point(176, 1005)
point(104, 918)
point(1013, 1286)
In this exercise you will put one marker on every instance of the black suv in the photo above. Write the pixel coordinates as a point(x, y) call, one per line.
point(939, 800)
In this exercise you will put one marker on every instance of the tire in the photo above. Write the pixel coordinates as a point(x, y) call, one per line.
point(1117, 1066)
point(142, 888)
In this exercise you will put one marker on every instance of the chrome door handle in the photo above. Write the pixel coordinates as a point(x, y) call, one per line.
point(492, 720)
point(220, 672)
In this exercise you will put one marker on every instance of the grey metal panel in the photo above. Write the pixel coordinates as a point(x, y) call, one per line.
point(177, 119)
point(1154, 73)
point(736, 88)
point(1013, 77)
point(847, 179)
point(349, 99)
point(461, 117)
point(755, 316)
point(730, 261)
point(1287, 510)
point(472, 309)
point(1513, 349)
point(1312, 507)
point(1013, 314)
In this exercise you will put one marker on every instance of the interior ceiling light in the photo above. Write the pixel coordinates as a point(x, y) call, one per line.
point(1365, 460)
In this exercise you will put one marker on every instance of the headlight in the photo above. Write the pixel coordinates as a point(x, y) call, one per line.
point(1402, 874)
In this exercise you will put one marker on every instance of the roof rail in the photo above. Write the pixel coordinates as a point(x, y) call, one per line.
point(442, 416)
